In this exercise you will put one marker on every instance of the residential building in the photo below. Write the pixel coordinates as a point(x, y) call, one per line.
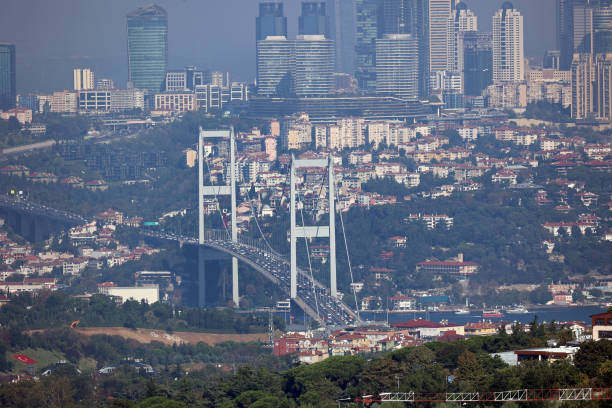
point(147, 42)
point(64, 102)
point(582, 86)
point(8, 77)
point(23, 115)
point(271, 21)
point(462, 20)
point(275, 66)
point(603, 86)
point(397, 63)
point(105, 84)
point(508, 53)
point(177, 102)
point(314, 65)
point(147, 293)
point(213, 97)
point(602, 325)
point(83, 79)
point(452, 267)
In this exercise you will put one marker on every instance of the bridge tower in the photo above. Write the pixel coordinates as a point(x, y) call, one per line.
point(217, 191)
point(313, 231)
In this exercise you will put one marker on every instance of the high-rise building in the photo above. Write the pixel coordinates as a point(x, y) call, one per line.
point(477, 62)
point(603, 86)
point(147, 33)
point(275, 66)
point(8, 77)
point(394, 17)
point(83, 79)
point(341, 17)
point(565, 32)
point(181, 80)
point(582, 21)
point(313, 20)
point(602, 29)
point(271, 20)
point(439, 13)
point(365, 44)
point(105, 83)
point(314, 65)
point(582, 86)
point(397, 63)
point(508, 55)
point(462, 20)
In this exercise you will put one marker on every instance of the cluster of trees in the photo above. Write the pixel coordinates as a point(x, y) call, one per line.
point(57, 309)
point(463, 365)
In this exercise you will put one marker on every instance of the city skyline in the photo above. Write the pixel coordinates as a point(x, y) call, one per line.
point(59, 49)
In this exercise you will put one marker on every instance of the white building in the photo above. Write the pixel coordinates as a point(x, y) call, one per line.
point(83, 79)
point(397, 62)
point(461, 21)
point(148, 293)
point(314, 65)
point(508, 53)
point(275, 65)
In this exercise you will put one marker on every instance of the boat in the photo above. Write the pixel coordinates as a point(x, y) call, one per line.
point(520, 309)
point(492, 313)
point(462, 312)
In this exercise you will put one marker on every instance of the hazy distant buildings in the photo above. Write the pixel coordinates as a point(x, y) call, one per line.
point(275, 66)
point(582, 86)
point(65, 102)
point(180, 80)
point(105, 83)
point(582, 24)
point(110, 100)
point(462, 20)
point(271, 20)
point(314, 65)
point(8, 81)
point(397, 63)
point(147, 34)
point(175, 102)
point(508, 55)
point(341, 17)
point(83, 78)
point(313, 20)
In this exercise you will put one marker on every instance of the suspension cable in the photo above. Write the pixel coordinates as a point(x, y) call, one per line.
point(349, 264)
point(257, 223)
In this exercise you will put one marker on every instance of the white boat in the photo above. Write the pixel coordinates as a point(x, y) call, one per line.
point(462, 312)
point(520, 309)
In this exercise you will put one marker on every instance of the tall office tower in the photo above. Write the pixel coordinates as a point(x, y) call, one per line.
point(602, 29)
point(582, 22)
point(147, 33)
point(582, 86)
point(275, 66)
point(565, 33)
point(271, 21)
point(314, 65)
point(439, 13)
point(83, 79)
point(365, 44)
point(477, 62)
point(508, 56)
point(603, 86)
point(394, 17)
point(462, 20)
point(8, 78)
point(342, 30)
point(397, 66)
point(313, 20)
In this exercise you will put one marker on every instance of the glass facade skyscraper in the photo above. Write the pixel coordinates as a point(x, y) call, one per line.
point(477, 62)
point(147, 33)
point(365, 44)
point(341, 17)
point(8, 81)
point(397, 62)
point(313, 20)
point(271, 21)
point(275, 66)
point(314, 65)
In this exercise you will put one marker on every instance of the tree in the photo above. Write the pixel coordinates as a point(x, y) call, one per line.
point(469, 373)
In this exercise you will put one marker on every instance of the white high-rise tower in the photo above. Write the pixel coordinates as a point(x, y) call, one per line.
point(461, 21)
point(83, 79)
point(508, 55)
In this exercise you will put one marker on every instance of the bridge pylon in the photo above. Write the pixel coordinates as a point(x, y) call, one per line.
point(215, 191)
point(313, 231)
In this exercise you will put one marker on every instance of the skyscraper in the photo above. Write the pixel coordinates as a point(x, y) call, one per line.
point(394, 17)
point(477, 62)
point(602, 29)
point(461, 21)
point(314, 65)
point(341, 17)
point(508, 56)
point(397, 62)
point(8, 81)
point(582, 86)
point(313, 20)
point(439, 13)
point(83, 79)
point(582, 21)
point(565, 33)
point(365, 44)
point(147, 33)
point(275, 66)
point(271, 21)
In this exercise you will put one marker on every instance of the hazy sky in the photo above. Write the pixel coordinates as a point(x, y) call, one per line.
point(53, 36)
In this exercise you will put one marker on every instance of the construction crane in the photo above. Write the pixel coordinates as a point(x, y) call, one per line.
point(557, 394)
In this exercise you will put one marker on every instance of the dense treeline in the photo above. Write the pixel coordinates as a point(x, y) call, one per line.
point(464, 365)
point(56, 309)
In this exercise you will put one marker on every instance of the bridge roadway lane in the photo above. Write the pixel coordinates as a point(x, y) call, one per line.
point(332, 311)
point(42, 210)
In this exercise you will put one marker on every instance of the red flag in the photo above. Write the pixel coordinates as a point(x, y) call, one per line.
point(24, 359)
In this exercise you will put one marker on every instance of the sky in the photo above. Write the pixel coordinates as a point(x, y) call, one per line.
point(54, 36)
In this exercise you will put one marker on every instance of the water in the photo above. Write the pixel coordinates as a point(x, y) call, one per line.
point(558, 314)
